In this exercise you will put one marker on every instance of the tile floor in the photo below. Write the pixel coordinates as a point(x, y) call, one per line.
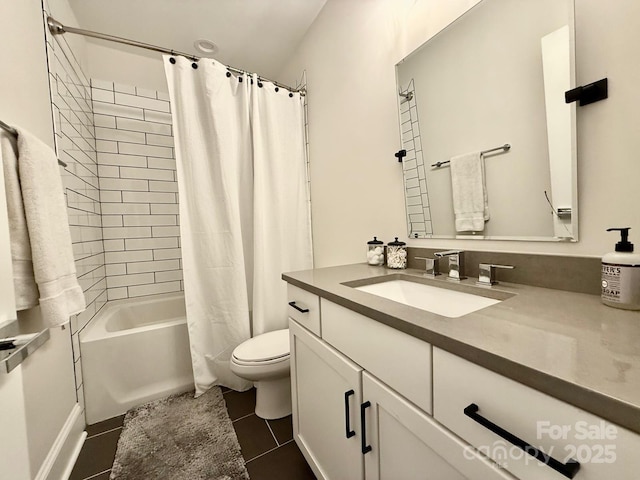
point(267, 445)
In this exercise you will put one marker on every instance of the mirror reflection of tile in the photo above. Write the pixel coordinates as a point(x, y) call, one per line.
point(416, 194)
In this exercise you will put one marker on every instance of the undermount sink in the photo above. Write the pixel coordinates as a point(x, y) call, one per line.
point(439, 300)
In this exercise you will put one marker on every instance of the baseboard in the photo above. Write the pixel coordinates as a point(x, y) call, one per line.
point(65, 450)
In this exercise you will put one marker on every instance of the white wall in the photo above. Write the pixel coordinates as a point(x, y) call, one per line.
point(125, 65)
point(349, 54)
point(49, 393)
point(24, 88)
point(42, 387)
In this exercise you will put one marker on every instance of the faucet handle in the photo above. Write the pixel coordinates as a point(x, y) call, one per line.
point(448, 253)
point(487, 275)
point(432, 267)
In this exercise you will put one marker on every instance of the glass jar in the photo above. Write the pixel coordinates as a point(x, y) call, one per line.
point(396, 254)
point(375, 252)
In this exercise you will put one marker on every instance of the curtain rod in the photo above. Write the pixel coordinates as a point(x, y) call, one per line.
point(14, 132)
point(57, 28)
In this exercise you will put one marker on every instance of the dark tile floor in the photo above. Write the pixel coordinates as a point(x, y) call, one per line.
point(267, 445)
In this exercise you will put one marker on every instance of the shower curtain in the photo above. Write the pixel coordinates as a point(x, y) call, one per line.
point(244, 209)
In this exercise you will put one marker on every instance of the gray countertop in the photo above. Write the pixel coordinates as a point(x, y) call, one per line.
point(568, 345)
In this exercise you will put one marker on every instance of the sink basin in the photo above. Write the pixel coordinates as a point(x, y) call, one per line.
point(441, 301)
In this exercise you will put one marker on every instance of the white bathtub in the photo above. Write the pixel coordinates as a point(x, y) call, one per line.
point(135, 351)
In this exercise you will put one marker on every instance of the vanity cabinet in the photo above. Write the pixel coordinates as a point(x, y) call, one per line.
point(372, 402)
point(350, 425)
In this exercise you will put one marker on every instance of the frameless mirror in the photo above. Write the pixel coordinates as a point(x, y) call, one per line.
point(493, 82)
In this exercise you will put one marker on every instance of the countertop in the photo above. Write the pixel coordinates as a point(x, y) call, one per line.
point(567, 345)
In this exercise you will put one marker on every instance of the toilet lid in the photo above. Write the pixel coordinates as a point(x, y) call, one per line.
point(268, 346)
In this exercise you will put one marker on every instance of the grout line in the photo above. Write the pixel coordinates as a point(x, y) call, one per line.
point(287, 442)
point(272, 434)
point(242, 418)
point(96, 474)
point(106, 431)
point(261, 455)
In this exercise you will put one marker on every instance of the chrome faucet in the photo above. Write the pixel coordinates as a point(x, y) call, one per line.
point(487, 275)
point(432, 267)
point(456, 264)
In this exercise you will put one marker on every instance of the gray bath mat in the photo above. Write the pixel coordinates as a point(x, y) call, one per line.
point(179, 438)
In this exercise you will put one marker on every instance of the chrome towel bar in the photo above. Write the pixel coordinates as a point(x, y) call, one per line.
point(14, 132)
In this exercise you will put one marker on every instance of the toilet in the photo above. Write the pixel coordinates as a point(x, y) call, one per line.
point(264, 360)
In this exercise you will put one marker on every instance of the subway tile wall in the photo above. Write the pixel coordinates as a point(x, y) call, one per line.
point(138, 190)
point(415, 183)
point(75, 145)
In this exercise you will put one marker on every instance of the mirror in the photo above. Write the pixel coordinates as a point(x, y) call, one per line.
point(493, 81)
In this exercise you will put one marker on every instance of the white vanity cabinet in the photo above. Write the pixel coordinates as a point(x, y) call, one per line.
point(371, 402)
point(350, 425)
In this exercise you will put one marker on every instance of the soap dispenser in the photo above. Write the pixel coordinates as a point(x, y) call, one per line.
point(621, 274)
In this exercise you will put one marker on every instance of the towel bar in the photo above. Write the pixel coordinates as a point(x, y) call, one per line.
point(14, 132)
point(504, 148)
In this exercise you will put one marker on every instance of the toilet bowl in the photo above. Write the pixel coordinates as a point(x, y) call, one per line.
point(264, 360)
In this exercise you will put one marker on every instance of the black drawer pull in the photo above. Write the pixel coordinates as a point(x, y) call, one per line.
point(569, 469)
point(365, 448)
point(348, 432)
point(301, 310)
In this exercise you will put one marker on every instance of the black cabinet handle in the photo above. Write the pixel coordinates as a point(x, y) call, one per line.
point(348, 432)
point(365, 448)
point(569, 469)
point(301, 310)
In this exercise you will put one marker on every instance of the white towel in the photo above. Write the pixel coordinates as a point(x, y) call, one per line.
point(470, 200)
point(44, 270)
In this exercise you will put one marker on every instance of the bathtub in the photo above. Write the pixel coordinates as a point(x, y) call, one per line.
point(134, 351)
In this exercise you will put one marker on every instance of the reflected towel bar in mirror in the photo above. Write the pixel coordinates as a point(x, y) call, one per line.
point(504, 148)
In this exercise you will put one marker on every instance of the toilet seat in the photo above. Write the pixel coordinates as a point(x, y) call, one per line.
point(266, 349)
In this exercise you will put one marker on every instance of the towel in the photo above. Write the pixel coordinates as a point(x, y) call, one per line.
point(470, 201)
point(43, 265)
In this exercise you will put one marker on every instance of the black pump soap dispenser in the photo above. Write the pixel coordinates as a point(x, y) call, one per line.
point(621, 274)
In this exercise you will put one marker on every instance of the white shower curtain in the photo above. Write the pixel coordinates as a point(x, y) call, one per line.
point(244, 211)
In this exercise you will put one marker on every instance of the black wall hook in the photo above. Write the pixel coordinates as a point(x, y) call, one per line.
point(590, 93)
point(400, 154)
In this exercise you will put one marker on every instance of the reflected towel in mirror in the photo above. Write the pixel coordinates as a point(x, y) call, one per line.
point(470, 200)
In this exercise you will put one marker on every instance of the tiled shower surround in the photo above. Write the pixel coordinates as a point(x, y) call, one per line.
point(138, 190)
point(75, 145)
point(120, 187)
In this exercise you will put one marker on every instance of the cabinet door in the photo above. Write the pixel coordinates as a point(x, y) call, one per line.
point(327, 393)
point(408, 444)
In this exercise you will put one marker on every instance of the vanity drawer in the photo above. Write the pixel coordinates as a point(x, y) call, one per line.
point(304, 308)
point(401, 361)
point(562, 431)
